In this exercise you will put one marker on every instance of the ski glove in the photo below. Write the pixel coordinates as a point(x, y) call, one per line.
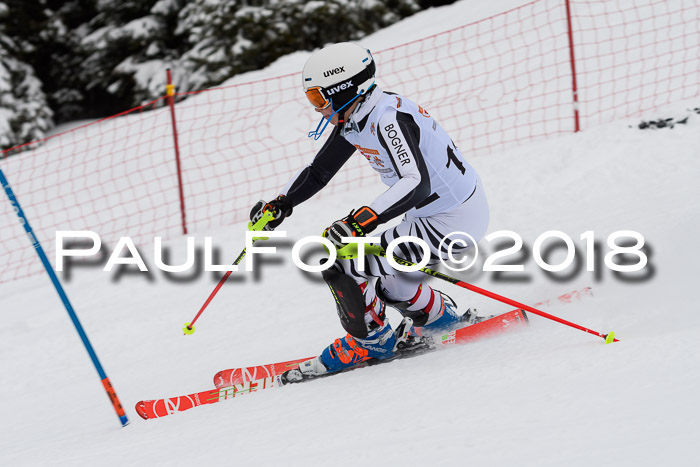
point(357, 224)
point(281, 207)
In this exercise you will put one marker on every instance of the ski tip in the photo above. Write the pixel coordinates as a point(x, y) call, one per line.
point(188, 329)
point(219, 380)
point(610, 338)
point(141, 410)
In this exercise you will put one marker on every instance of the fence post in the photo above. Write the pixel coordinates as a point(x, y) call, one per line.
point(573, 66)
point(170, 91)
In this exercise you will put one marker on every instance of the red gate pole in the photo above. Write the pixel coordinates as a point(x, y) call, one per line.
point(573, 66)
point(170, 91)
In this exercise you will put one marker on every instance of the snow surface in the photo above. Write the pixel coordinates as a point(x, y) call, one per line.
point(548, 395)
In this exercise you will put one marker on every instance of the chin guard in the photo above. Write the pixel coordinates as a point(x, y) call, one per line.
point(316, 134)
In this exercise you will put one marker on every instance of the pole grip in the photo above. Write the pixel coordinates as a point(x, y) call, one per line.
point(259, 225)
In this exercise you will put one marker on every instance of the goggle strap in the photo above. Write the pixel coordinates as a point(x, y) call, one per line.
point(316, 134)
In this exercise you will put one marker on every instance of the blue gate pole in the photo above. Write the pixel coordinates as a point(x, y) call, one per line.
point(69, 308)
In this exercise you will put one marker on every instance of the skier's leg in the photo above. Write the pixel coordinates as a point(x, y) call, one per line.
point(349, 301)
point(362, 315)
point(409, 292)
point(428, 308)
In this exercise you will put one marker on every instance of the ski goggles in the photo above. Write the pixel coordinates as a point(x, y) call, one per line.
point(317, 98)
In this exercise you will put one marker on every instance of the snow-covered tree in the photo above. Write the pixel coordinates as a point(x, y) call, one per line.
point(128, 45)
point(58, 59)
point(99, 57)
point(232, 36)
point(24, 112)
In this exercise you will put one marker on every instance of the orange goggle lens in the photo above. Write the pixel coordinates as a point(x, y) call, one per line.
point(315, 96)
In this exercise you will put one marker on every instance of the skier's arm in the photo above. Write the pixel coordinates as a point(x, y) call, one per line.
point(400, 136)
point(311, 179)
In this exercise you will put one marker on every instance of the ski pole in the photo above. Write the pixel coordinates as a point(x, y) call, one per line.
point(379, 251)
point(259, 225)
point(111, 393)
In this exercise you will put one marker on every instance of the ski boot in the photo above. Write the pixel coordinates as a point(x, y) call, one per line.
point(346, 352)
point(432, 318)
point(447, 318)
point(450, 320)
point(398, 344)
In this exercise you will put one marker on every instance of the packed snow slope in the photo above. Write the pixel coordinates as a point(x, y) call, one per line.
point(547, 395)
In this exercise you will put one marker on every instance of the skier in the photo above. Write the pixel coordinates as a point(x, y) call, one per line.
point(430, 184)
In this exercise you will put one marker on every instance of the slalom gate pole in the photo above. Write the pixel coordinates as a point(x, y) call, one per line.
point(69, 308)
point(170, 93)
point(259, 225)
point(379, 251)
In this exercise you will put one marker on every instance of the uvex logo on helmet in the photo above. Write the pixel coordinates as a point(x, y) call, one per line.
point(334, 71)
point(338, 88)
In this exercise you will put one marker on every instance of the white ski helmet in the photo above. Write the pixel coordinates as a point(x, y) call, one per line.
point(337, 73)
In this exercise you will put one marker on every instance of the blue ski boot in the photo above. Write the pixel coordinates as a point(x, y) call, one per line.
point(347, 352)
point(432, 318)
point(350, 352)
point(447, 318)
point(450, 319)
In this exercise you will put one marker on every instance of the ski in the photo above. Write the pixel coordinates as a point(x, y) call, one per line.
point(255, 379)
point(240, 381)
point(463, 335)
point(161, 407)
point(496, 324)
point(235, 376)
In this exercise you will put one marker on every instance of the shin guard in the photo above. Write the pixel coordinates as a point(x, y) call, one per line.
point(349, 300)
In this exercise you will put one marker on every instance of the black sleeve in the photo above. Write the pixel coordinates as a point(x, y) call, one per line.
point(332, 156)
point(413, 186)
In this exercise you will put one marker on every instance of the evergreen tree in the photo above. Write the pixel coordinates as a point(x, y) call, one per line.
point(98, 57)
point(234, 36)
point(58, 57)
point(24, 112)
